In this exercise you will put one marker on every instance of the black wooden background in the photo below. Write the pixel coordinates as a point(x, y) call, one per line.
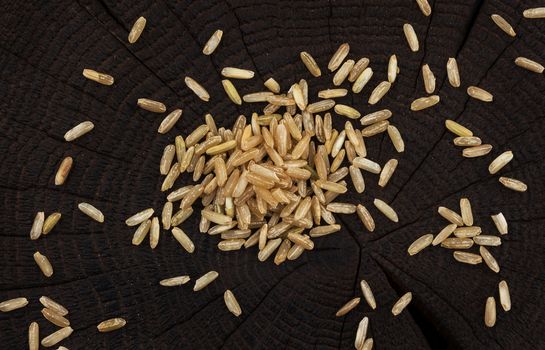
point(44, 45)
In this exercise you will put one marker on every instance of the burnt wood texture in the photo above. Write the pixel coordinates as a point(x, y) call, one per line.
point(45, 45)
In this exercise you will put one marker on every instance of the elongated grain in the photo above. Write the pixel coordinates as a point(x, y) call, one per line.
point(450, 215)
point(269, 248)
point(513, 184)
point(505, 296)
point(368, 294)
point(33, 336)
point(319, 231)
point(457, 128)
point(457, 243)
point(387, 172)
point(310, 63)
point(332, 93)
point(367, 165)
point(411, 37)
point(56, 337)
point(487, 240)
point(395, 137)
point(13, 304)
point(79, 130)
point(536, 12)
point(500, 222)
point(213, 42)
point(424, 102)
point(467, 231)
point(101, 78)
point(272, 85)
point(357, 179)
point(139, 217)
point(349, 306)
point(136, 30)
point(63, 171)
point(154, 233)
point(91, 211)
point(429, 79)
point(141, 232)
point(392, 68)
point(175, 281)
point(338, 57)
point(183, 239)
point(385, 209)
point(500, 161)
point(503, 25)
point(453, 72)
point(53, 305)
point(231, 91)
point(467, 258)
point(341, 75)
point(402, 303)
point(490, 312)
point(37, 225)
point(362, 80)
point(489, 259)
point(424, 6)
point(170, 120)
point(465, 209)
point(420, 243)
point(378, 93)
point(347, 111)
point(151, 105)
point(232, 303)
point(197, 89)
point(477, 151)
point(111, 324)
point(480, 94)
point(358, 68)
point(361, 333)
point(365, 217)
point(529, 64)
point(55, 318)
point(43, 263)
point(443, 234)
point(205, 280)
point(466, 141)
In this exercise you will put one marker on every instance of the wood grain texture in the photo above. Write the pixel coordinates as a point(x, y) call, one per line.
point(44, 47)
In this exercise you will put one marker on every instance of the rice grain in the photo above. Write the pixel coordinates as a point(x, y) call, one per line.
point(56, 337)
point(362, 80)
point(13, 304)
point(490, 312)
point(343, 72)
point(444, 234)
point(503, 25)
point(500, 222)
point(513, 184)
point(55, 318)
point(465, 209)
point(79, 130)
point(529, 64)
point(489, 259)
point(197, 89)
point(136, 30)
point(500, 161)
point(424, 6)
point(63, 171)
point(44, 264)
point(537, 12)
point(429, 79)
point(457, 129)
point(402, 303)
point(424, 102)
point(269, 248)
point(37, 225)
point(272, 85)
point(338, 57)
point(175, 281)
point(232, 303)
point(361, 333)
point(411, 37)
point(451, 216)
point(477, 151)
point(139, 217)
point(465, 141)
point(332, 93)
point(487, 240)
point(237, 73)
point(141, 232)
point(395, 137)
point(387, 172)
point(100, 78)
point(231, 91)
point(385, 209)
point(183, 239)
point(420, 243)
point(379, 92)
point(320, 231)
point(346, 308)
point(480, 94)
point(453, 72)
point(347, 111)
point(205, 280)
point(467, 231)
point(367, 165)
point(170, 120)
point(212, 42)
point(151, 105)
point(33, 336)
point(457, 243)
point(358, 68)
point(505, 297)
point(311, 64)
point(467, 258)
point(111, 325)
point(154, 232)
point(365, 217)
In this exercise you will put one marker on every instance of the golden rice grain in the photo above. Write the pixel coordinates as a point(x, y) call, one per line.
point(358, 68)
point(420, 243)
point(205, 280)
point(368, 344)
point(100, 78)
point(392, 68)
point(56, 337)
point(180, 148)
point(231, 91)
point(175, 281)
point(37, 225)
point(479, 94)
point(395, 137)
point(378, 93)
point(537, 12)
point(197, 89)
point(367, 165)
point(387, 172)
point(365, 217)
point(465, 209)
point(500, 161)
point(505, 297)
point(346, 308)
point(43, 263)
point(503, 25)
point(231, 244)
point(489, 259)
point(347, 111)
point(477, 151)
point(457, 243)
point(362, 80)
point(467, 141)
point(357, 179)
point(375, 117)
point(170, 120)
point(444, 234)
point(269, 248)
point(467, 258)
point(237, 73)
point(13, 304)
point(183, 239)
point(487, 240)
point(375, 129)
point(311, 64)
point(55, 318)
point(79, 130)
point(332, 93)
point(111, 324)
point(368, 294)
point(513, 184)
point(411, 37)
point(136, 30)
point(154, 232)
point(361, 333)
point(501, 223)
point(402, 303)
point(91, 211)
point(139, 217)
point(213, 42)
point(141, 232)
point(33, 336)
point(457, 129)
point(490, 312)
point(63, 171)
point(343, 72)
point(341, 208)
point(232, 303)
point(257, 96)
point(429, 79)
point(53, 305)
point(451, 216)
point(424, 6)
point(320, 106)
point(424, 102)
point(151, 105)
point(320, 231)
point(467, 231)
point(338, 57)
point(272, 85)
point(282, 252)
point(385, 209)
point(453, 73)
point(529, 64)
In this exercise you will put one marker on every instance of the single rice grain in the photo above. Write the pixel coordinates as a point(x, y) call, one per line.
point(529, 64)
point(503, 25)
point(490, 312)
point(500, 222)
point(338, 57)
point(13, 304)
point(480, 94)
point(513, 184)
point(136, 30)
point(505, 297)
point(346, 308)
point(101, 78)
point(56, 337)
point(453, 72)
point(197, 89)
point(385, 209)
point(175, 281)
point(205, 280)
point(411, 37)
point(402, 303)
point(37, 225)
point(420, 243)
point(232, 303)
point(151, 105)
point(63, 171)
point(79, 130)
point(111, 325)
point(212, 42)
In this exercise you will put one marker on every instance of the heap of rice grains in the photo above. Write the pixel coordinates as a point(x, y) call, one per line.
point(273, 175)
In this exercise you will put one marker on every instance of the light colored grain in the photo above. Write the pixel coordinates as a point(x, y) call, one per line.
point(151, 105)
point(181, 216)
point(402, 303)
point(467, 231)
point(429, 79)
point(343, 72)
point(490, 312)
point(487, 240)
point(358, 68)
point(392, 68)
point(357, 179)
point(141, 232)
point(136, 30)
point(465, 209)
point(368, 344)
point(347, 111)
point(477, 151)
point(311, 64)
point(272, 85)
point(479, 94)
point(503, 25)
point(197, 88)
point(346, 308)
point(365, 217)
point(212, 42)
point(205, 280)
point(395, 137)
point(222, 147)
point(53, 305)
point(232, 303)
point(269, 248)
point(378, 93)
point(443, 234)
point(338, 57)
point(79, 130)
point(237, 73)
point(367, 165)
point(537, 12)
point(298, 96)
point(91, 211)
point(385, 209)
point(411, 37)
point(183, 239)
point(13, 304)
point(505, 297)
point(111, 324)
point(139, 217)
point(37, 225)
point(166, 215)
point(467, 258)
point(501, 223)
point(228, 245)
point(368, 294)
point(282, 252)
point(453, 72)
point(179, 194)
point(424, 6)
point(529, 64)
point(500, 161)
point(332, 93)
point(457, 243)
point(375, 117)
point(196, 135)
point(450, 215)
point(56, 337)
point(457, 128)
point(341, 208)
point(170, 120)
point(420, 243)
point(324, 230)
point(513, 184)
point(387, 172)
point(465, 141)
point(154, 233)
point(33, 336)
point(280, 100)
point(166, 159)
point(362, 80)
point(63, 171)
point(320, 106)
point(175, 281)
point(101, 78)
point(43, 263)
point(489, 259)
point(257, 96)
point(55, 318)
point(424, 102)
point(331, 186)
point(231, 91)
point(361, 333)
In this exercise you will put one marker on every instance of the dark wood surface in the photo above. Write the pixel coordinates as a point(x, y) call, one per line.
point(44, 45)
